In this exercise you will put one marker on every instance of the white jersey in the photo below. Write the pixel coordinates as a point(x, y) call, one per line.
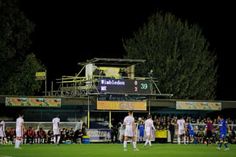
point(129, 123)
point(149, 123)
point(2, 129)
point(55, 122)
point(19, 126)
point(181, 126)
point(19, 123)
point(148, 126)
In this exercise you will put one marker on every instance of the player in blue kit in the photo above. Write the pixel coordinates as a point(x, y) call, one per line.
point(141, 131)
point(223, 128)
point(190, 132)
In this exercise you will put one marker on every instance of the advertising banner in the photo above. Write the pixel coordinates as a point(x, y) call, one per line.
point(40, 75)
point(32, 102)
point(99, 135)
point(190, 105)
point(122, 105)
point(161, 134)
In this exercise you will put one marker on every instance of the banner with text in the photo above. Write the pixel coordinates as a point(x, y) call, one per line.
point(191, 105)
point(32, 102)
point(122, 105)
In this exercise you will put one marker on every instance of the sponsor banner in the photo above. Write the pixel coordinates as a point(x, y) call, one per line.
point(112, 72)
point(32, 102)
point(190, 105)
point(40, 75)
point(99, 135)
point(161, 134)
point(122, 105)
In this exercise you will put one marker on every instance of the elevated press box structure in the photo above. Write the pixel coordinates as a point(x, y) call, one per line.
point(108, 76)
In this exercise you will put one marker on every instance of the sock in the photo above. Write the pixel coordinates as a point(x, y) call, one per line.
point(125, 144)
point(150, 143)
point(146, 142)
point(226, 145)
point(184, 140)
point(134, 145)
point(54, 139)
point(17, 143)
point(220, 144)
point(58, 139)
point(178, 140)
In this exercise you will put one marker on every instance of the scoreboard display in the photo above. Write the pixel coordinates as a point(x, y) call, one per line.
point(123, 86)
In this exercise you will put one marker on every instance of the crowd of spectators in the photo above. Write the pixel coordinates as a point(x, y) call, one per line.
point(42, 136)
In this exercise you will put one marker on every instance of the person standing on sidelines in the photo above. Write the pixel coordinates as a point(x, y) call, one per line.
point(130, 131)
point(223, 128)
point(56, 129)
point(181, 130)
point(148, 130)
point(2, 132)
point(209, 128)
point(19, 131)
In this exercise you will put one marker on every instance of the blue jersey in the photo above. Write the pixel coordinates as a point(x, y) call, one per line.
point(223, 128)
point(190, 129)
point(141, 130)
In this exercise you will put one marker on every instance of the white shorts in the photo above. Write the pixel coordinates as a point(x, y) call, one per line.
point(2, 133)
point(181, 132)
point(129, 131)
point(56, 131)
point(19, 133)
point(148, 131)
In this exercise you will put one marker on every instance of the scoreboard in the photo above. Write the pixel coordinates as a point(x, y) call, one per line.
point(123, 86)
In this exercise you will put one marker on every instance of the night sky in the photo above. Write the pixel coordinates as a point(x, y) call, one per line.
point(70, 31)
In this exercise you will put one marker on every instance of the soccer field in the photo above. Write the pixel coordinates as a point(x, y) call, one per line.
point(115, 150)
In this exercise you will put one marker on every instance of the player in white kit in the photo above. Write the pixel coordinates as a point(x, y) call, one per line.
point(181, 130)
point(130, 131)
point(56, 129)
point(19, 131)
point(2, 132)
point(149, 127)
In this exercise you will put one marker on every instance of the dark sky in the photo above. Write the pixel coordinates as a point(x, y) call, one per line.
point(71, 31)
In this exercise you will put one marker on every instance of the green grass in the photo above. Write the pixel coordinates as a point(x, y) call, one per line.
point(115, 150)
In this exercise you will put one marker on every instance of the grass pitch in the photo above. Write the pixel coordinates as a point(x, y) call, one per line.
point(115, 150)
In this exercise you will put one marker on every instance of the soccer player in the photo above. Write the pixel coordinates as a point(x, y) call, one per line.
point(181, 130)
point(223, 127)
point(19, 131)
point(56, 129)
point(130, 131)
point(141, 130)
point(148, 130)
point(209, 129)
point(2, 132)
point(190, 132)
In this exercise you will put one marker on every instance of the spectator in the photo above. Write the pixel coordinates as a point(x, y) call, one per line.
point(30, 135)
point(41, 135)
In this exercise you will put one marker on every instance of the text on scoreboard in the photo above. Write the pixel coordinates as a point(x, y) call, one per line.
point(124, 86)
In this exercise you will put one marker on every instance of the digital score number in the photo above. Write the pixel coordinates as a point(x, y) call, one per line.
point(124, 86)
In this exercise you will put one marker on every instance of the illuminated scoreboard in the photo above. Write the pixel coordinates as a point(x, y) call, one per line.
point(124, 86)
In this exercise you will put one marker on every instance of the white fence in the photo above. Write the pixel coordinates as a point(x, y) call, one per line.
point(46, 125)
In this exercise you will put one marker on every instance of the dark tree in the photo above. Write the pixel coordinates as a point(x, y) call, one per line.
point(178, 54)
point(15, 43)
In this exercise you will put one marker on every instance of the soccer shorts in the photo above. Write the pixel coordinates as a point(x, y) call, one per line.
point(56, 131)
point(129, 131)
